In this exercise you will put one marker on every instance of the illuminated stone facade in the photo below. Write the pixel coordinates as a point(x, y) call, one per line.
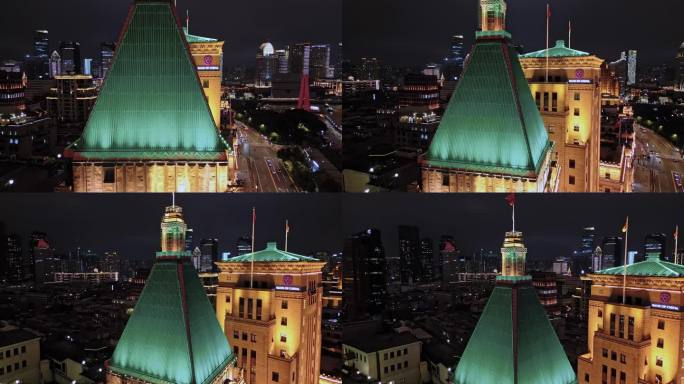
point(570, 105)
point(274, 327)
point(207, 55)
point(639, 341)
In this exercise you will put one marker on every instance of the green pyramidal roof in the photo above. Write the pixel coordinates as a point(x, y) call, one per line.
point(491, 123)
point(270, 254)
point(513, 343)
point(152, 105)
point(173, 335)
point(560, 50)
point(652, 266)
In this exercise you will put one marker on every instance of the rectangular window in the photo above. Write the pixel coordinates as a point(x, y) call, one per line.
point(275, 376)
point(283, 321)
point(572, 166)
point(586, 377)
point(600, 313)
point(398, 352)
point(571, 180)
point(577, 112)
point(250, 308)
point(23, 363)
point(613, 355)
point(623, 358)
point(661, 343)
point(546, 101)
point(2, 371)
point(16, 351)
point(661, 324)
point(623, 377)
point(405, 364)
point(659, 361)
point(386, 369)
point(385, 356)
point(23, 349)
point(244, 336)
point(242, 307)
point(612, 324)
point(604, 352)
point(283, 338)
point(205, 83)
point(576, 128)
point(445, 180)
point(607, 175)
point(537, 100)
point(253, 338)
point(405, 351)
point(622, 326)
point(391, 355)
point(258, 309)
point(577, 96)
point(108, 175)
point(228, 299)
point(630, 329)
point(236, 334)
point(554, 102)
point(283, 305)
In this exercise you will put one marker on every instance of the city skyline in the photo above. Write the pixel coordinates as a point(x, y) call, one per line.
point(481, 220)
point(138, 238)
point(432, 24)
point(281, 23)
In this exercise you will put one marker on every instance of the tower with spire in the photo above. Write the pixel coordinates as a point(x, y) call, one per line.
point(491, 137)
point(514, 342)
point(173, 337)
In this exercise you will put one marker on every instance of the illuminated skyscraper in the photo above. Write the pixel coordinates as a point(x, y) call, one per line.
point(320, 62)
point(55, 65)
point(269, 304)
point(38, 62)
point(514, 341)
point(453, 63)
point(152, 129)
point(680, 69)
point(266, 65)
point(631, 67)
point(635, 324)
point(656, 244)
point(70, 52)
point(172, 335)
point(491, 137)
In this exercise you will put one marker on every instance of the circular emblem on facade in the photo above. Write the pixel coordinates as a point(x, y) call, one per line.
point(208, 60)
point(665, 297)
point(579, 74)
point(287, 280)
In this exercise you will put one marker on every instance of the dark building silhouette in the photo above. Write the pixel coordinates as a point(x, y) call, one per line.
point(364, 267)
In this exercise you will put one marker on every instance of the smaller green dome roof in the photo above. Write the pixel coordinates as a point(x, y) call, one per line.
point(270, 254)
point(652, 266)
point(560, 50)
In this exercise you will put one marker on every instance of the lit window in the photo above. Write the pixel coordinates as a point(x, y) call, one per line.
point(283, 321)
point(577, 112)
point(283, 305)
point(659, 361)
point(577, 96)
point(283, 338)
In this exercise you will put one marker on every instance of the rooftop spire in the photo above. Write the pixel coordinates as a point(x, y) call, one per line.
point(173, 229)
point(513, 255)
point(493, 15)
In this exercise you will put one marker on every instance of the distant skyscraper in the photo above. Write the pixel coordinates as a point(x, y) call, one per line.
point(189, 246)
point(87, 66)
point(427, 254)
point(655, 244)
point(450, 260)
point(266, 65)
point(300, 57)
point(243, 245)
point(631, 67)
point(369, 69)
point(612, 252)
point(409, 254)
point(582, 262)
point(106, 57)
point(38, 66)
point(111, 262)
point(209, 254)
point(15, 259)
point(55, 65)
point(680, 69)
point(453, 63)
point(320, 61)
point(364, 273)
point(282, 58)
point(70, 52)
point(45, 264)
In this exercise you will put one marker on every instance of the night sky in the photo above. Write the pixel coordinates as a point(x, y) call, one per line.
point(131, 223)
point(409, 32)
point(551, 223)
point(242, 24)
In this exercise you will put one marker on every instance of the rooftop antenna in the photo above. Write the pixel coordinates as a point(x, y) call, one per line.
point(287, 232)
point(569, 33)
point(173, 199)
point(251, 272)
point(625, 230)
point(511, 201)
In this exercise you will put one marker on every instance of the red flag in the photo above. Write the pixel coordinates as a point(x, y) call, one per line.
point(625, 227)
point(511, 199)
point(253, 214)
point(548, 11)
point(676, 232)
point(287, 226)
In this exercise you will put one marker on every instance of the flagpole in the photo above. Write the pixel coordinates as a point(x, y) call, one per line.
point(251, 272)
point(569, 34)
point(624, 265)
point(287, 232)
point(548, 10)
point(676, 236)
point(513, 217)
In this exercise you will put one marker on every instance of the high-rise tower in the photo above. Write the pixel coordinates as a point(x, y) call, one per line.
point(514, 341)
point(172, 335)
point(491, 137)
point(152, 129)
